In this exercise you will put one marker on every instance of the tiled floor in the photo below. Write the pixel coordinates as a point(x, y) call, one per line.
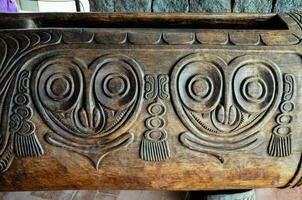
point(262, 194)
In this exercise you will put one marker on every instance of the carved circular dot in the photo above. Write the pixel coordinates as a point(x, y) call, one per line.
point(254, 89)
point(288, 106)
point(199, 87)
point(155, 123)
point(156, 109)
point(26, 128)
point(284, 119)
point(283, 130)
point(156, 135)
point(59, 86)
point(21, 99)
point(24, 112)
point(116, 85)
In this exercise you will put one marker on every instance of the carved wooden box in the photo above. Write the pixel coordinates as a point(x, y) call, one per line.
point(144, 101)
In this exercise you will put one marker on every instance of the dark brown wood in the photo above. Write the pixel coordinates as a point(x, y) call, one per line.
point(144, 101)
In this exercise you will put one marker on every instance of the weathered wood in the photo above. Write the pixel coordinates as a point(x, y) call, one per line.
point(144, 101)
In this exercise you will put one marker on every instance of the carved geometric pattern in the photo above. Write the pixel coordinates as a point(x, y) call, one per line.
point(280, 144)
point(154, 145)
point(17, 136)
point(25, 140)
point(90, 105)
point(87, 110)
point(156, 86)
point(224, 109)
point(187, 37)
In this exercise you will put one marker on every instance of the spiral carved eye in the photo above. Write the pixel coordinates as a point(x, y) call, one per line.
point(254, 86)
point(57, 81)
point(115, 83)
point(200, 84)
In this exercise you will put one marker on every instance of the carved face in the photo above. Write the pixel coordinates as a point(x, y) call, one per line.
point(87, 101)
point(219, 100)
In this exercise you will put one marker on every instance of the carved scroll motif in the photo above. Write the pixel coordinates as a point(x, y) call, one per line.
point(17, 136)
point(154, 145)
point(280, 144)
point(224, 107)
point(22, 141)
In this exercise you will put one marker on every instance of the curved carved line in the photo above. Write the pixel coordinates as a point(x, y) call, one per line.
point(186, 140)
point(94, 153)
point(151, 89)
point(209, 146)
point(7, 157)
point(163, 86)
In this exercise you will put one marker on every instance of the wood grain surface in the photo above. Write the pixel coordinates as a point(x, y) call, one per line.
point(144, 101)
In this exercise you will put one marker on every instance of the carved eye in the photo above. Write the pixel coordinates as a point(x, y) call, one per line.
point(254, 86)
point(200, 84)
point(115, 83)
point(59, 83)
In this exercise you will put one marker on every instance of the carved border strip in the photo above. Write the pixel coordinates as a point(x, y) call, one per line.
point(231, 38)
point(154, 145)
point(280, 144)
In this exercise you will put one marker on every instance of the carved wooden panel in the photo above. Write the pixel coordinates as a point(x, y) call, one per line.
point(161, 102)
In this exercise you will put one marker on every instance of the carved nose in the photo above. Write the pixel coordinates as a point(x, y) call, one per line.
point(226, 118)
point(89, 118)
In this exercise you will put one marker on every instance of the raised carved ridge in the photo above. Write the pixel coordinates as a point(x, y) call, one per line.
point(207, 37)
point(154, 145)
